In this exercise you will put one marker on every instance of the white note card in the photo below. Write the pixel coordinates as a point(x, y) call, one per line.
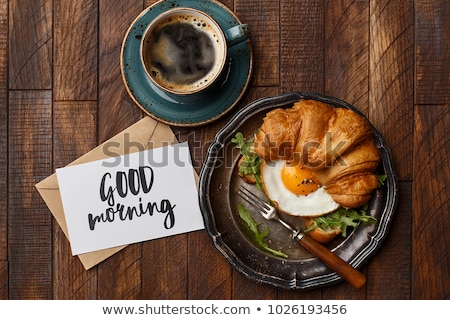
point(131, 198)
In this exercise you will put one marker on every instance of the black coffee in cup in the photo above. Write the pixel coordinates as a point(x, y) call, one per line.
point(183, 52)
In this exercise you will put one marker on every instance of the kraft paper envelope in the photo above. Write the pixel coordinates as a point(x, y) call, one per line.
point(146, 133)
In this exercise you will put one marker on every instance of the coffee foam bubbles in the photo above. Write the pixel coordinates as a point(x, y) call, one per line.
point(180, 53)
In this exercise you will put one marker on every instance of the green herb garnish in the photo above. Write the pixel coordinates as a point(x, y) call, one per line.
point(258, 236)
point(342, 218)
point(381, 179)
point(251, 162)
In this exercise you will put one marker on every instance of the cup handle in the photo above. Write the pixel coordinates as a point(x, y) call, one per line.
point(237, 34)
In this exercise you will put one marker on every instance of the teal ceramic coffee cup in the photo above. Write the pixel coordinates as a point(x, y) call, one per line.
point(184, 52)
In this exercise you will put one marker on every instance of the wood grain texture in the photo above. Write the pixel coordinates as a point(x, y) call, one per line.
point(75, 130)
point(210, 277)
point(346, 46)
point(116, 109)
point(4, 288)
point(391, 87)
point(165, 268)
point(3, 134)
point(30, 232)
point(262, 17)
point(30, 44)
point(431, 265)
point(75, 50)
point(71, 280)
point(61, 94)
point(246, 289)
point(75, 123)
point(432, 52)
point(301, 45)
point(120, 275)
point(315, 294)
point(74, 134)
point(389, 272)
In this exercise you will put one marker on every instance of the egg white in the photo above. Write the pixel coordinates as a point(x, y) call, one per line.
point(316, 203)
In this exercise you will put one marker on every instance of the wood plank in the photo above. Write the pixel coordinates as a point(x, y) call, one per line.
point(313, 294)
point(71, 281)
point(389, 271)
point(30, 44)
point(4, 280)
point(75, 123)
point(120, 275)
point(430, 188)
point(75, 50)
point(431, 185)
point(75, 133)
point(75, 130)
point(247, 289)
point(116, 109)
point(391, 85)
point(432, 22)
point(165, 268)
point(262, 16)
point(30, 223)
point(347, 51)
point(301, 46)
point(210, 276)
point(3, 131)
point(344, 291)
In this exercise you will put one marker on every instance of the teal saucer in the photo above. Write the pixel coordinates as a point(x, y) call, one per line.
point(210, 106)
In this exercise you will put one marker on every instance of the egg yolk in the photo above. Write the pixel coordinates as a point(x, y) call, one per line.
point(298, 180)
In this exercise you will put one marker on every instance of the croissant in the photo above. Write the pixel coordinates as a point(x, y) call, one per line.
point(335, 143)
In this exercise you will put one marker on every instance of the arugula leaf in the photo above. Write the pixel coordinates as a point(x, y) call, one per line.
point(342, 218)
point(252, 161)
point(381, 179)
point(239, 140)
point(259, 237)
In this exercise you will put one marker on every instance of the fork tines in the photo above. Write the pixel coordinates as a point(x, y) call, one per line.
point(251, 198)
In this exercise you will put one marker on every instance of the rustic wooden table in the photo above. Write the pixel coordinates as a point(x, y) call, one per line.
point(62, 94)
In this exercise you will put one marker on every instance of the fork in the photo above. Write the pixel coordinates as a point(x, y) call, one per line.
point(341, 267)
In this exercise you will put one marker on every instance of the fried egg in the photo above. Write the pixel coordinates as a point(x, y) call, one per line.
point(294, 189)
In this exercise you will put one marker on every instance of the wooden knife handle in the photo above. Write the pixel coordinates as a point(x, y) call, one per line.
point(346, 271)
